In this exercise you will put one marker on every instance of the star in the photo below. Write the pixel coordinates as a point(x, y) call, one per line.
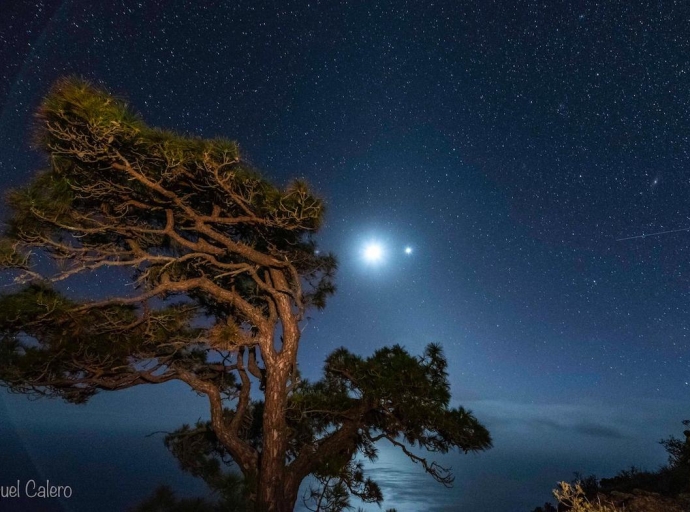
point(408, 250)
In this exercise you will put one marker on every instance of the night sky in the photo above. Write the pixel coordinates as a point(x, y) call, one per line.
point(510, 145)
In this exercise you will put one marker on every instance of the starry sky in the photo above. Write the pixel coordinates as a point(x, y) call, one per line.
point(516, 147)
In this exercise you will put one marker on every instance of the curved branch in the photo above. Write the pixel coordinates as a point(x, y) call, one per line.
point(242, 453)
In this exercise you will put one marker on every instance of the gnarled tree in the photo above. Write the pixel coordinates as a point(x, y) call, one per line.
point(224, 270)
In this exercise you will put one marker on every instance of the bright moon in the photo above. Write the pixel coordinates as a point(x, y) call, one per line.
point(408, 250)
point(373, 253)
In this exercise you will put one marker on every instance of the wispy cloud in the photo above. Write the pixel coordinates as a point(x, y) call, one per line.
point(594, 430)
point(643, 419)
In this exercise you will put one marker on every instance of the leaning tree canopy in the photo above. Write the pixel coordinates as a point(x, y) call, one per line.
point(185, 216)
point(119, 185)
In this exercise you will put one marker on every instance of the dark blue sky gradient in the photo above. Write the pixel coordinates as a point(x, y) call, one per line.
point(509, 143)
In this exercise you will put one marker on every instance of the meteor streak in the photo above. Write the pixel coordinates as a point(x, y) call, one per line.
point(658, 233)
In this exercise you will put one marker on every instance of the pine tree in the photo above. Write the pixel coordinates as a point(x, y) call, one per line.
point(224, 269)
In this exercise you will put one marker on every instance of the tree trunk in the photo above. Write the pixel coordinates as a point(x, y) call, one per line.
point(273, 492)
point(271, 496)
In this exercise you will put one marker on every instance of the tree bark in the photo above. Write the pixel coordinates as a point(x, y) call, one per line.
point(271, 485)
point(273, 492)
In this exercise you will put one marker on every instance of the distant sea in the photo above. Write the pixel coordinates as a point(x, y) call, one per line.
point(114, 471)
point(112, 466)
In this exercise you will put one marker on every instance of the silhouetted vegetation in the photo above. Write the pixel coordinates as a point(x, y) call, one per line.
point(547, 507)
point(164, 500)
point(668, 488)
